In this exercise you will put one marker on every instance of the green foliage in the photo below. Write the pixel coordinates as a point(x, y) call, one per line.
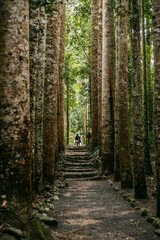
point(48, 4)
point(77, 62)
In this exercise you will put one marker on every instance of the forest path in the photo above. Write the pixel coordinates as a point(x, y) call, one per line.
point(79, 165)
point(93, 210)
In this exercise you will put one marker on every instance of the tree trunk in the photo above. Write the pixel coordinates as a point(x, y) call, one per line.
point(94, 70)
point(116, 126)
point(39, 99)
point(33, 50)
point(85, 114)
point(137, 124)
point(68, 125)
point(61, 81)
point(148, 167)
point(156, 34)
point(100, 74)
point(50, 95)
point(108, 73)
point(149, 77)
point(15, 158)
point(125, 159)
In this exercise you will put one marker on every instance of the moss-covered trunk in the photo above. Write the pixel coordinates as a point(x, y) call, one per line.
point(156, 34)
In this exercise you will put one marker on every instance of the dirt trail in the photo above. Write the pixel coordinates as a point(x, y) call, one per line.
point(93, 210)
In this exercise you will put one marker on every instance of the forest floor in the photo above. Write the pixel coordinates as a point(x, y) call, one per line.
point(94, 210)
point(83, 206)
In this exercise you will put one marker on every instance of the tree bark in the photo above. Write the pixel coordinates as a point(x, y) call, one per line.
point(68, 125)
point(137, 124)
point(156, 35)
point(61, 81)
point(39, 99)
point(100, 74)
point(125, 159)
point(37, 61)
point(94, 70)
point(33, 55)
point(85, 114)
point(148, 167)
point(108, 73)
point(50, 95)
point(15, 159)
point(116, 126)
point(149, 76)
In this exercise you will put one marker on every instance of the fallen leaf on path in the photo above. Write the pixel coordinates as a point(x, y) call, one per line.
point(4, 203)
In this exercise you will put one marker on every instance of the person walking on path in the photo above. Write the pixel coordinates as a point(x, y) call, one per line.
point(77, 140)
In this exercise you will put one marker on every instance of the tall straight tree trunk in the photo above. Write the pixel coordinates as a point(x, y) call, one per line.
point(108, 72)
point(100, 73)
point(50, 96)
point(94, 71)
point(57, 59)
point(68, 125)
point(33, 54)
point(15, 150)
point(156, 34)
point(116, 126)
point(125, 159)
point(61, 80)
point(39, 99)
point(150, 88)
point(148, 167)
point(137, 124)
point(85, 114)
point(85, 121)
point(37, 61)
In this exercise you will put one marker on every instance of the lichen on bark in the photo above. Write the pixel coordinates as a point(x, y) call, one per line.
point(50, 95)
point(108, 77)
point(15, 160)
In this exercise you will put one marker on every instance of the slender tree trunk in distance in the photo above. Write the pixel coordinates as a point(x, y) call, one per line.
point(61, 80)
point(57, 61)
point(15, 150)
point(50, 95)
point(85, 114)
point(108, 73)
point(150, 88)
point(148, 167)
point(39, 99)
point(94, 71)
point(100, 74)
point(68, 114)
point(33, 50)
point(125, 159)
point(156, 35)
point(137, 123)
point(116, 126)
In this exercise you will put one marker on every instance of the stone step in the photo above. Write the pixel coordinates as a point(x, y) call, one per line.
point(78, 156)
point(95, 178)
point(77, 150)
point(79, 175)
point(79, 170)
point(78, 164)
point(78, 159)
point(73, 148)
